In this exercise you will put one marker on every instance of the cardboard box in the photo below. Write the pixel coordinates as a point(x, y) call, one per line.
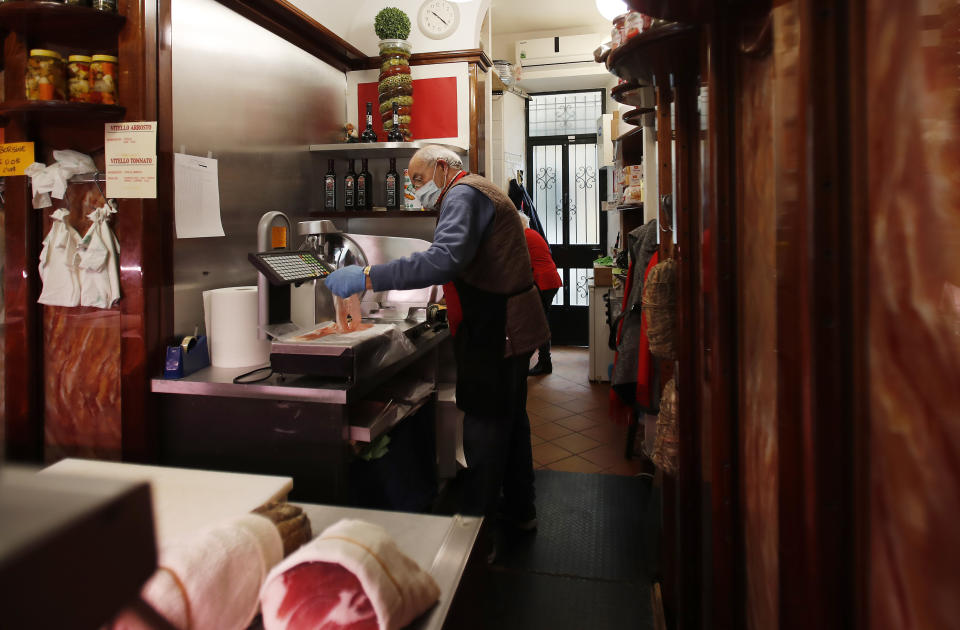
point(602, 276)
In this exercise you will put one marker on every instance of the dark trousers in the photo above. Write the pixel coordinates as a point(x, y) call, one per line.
point(498, 452)
point(546, 298)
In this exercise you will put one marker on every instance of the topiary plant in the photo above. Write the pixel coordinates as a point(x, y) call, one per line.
point(392, 23)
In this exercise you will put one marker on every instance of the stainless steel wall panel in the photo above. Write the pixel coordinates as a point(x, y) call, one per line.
point(256, 102)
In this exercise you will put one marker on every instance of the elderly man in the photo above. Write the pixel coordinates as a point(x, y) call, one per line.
point(479, 254)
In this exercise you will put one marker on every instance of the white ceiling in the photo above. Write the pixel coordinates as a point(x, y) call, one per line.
point(518, 16)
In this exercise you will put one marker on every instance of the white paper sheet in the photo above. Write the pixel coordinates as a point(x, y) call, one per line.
point(130, 153)
point(196, 196)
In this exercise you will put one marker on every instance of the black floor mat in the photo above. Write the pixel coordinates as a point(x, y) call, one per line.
point(590, 526)
point(525, 601)
point(588, 564)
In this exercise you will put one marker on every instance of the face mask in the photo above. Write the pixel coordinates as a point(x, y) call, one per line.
point(428, 194)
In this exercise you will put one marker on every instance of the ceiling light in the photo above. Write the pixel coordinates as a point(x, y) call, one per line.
point(610, 9)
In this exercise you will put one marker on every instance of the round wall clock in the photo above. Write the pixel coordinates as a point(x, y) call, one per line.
point(438, 18)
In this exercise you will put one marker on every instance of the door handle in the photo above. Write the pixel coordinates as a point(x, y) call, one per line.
point(666, 208)
point(666, 202)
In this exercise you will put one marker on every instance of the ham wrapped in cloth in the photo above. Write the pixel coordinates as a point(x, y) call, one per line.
point(351, 577)
point(210, 580)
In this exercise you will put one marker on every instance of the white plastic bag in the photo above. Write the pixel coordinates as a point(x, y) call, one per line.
point(99, 276)
point(58, 263)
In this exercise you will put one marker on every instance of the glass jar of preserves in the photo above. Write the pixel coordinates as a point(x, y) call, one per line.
point(78, 78)
point(633, 25)
point(45, 79)
point(618, 24)
point(395, 84)
point(103, 76)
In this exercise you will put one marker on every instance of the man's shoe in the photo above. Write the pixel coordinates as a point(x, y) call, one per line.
point(542, 367)
point(526, 523)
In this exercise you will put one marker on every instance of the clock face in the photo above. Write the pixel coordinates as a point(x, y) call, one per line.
point(438, 18)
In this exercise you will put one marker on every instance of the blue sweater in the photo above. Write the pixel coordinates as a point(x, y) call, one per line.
point(466, 216)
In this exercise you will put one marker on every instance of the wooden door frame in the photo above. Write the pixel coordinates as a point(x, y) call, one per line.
point(817, 348)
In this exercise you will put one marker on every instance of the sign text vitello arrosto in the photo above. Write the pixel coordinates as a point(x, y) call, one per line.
point(130, 127)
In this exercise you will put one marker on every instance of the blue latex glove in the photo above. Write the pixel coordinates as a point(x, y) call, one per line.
point(347, 281)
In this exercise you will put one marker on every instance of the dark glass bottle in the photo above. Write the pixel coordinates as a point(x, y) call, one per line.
point(330, 188)
point(392, 186)
point(350, 188)
point(369, 135)
point(395, 135)
point(364, 188)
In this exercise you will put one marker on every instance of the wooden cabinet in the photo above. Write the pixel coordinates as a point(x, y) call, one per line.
point(76, 379)
point(67, 29)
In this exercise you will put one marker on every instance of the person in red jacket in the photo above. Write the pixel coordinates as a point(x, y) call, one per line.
point(548, 282)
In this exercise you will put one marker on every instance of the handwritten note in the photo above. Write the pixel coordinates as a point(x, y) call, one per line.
point(130, 152)
point(14, 157)
point(196, 196)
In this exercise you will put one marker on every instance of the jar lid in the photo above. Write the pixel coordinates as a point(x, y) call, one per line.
point(105, 58)
point(42, 52)
point(85, 58)
point(619, 20)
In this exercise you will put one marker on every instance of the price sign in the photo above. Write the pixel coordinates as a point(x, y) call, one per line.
point(15, 157)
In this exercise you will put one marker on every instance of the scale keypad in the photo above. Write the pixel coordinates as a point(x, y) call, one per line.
point(289, 267)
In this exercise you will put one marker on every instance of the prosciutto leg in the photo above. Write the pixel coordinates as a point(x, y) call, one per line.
point(317, 596)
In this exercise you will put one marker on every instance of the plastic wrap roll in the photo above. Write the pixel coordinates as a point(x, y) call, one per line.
point(230, 315)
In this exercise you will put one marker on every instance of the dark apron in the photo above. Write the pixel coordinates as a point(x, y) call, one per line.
point(484, 385)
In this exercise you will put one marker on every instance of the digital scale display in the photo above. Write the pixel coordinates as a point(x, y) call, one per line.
point(289, 267)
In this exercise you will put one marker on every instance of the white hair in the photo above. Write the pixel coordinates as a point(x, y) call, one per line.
point(525, 220)
point(433, 152)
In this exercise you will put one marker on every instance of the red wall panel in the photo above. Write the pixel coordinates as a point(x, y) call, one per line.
point(434, 112)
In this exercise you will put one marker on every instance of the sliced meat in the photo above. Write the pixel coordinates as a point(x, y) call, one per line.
point(349, 316)
point(317, 596)
point(349, 319)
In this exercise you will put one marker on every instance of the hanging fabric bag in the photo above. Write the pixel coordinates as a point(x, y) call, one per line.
point(666, 445)
point(659, 305)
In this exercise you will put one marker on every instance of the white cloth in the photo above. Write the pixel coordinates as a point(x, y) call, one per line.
point(58, 263)
point(99, 250)
point(220, 571)
point(52, 179)
point(396, 586)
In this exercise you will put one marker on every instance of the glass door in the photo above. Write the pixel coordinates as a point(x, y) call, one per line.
point(564, 186)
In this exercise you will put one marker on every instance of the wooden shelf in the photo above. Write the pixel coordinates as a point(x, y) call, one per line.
point(635, 116)
point(630, 207)
point(45, 22)
point(637, 59)
point(374, 214)
point(635, 133)
point(378, 149)
point(60, 111)
point(628, 94)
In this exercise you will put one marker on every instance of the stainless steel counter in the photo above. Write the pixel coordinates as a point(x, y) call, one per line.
point(298, 426)
point(216, 381)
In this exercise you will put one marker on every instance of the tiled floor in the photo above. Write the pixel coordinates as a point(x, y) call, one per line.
point(569, 427)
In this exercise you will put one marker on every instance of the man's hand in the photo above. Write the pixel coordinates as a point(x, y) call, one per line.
point(347, 281)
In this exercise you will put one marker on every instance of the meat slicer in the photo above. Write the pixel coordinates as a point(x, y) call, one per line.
point(294, 299)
